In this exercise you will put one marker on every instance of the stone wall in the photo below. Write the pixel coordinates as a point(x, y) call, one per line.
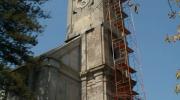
point(52, 84)
point(57, 78)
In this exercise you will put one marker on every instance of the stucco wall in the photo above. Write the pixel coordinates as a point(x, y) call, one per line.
point(52, 84)
point(57, 78)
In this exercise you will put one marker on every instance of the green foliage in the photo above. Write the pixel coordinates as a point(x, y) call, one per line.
point(16, 81)
point(19, 29)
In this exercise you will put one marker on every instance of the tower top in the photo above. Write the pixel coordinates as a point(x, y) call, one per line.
point(82, 16)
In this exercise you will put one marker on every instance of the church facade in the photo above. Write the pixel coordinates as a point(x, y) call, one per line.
point(82, 68)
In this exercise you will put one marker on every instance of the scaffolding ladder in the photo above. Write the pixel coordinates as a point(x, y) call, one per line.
point(123, 81)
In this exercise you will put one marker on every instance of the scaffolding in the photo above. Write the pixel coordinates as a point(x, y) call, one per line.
point(123, 82)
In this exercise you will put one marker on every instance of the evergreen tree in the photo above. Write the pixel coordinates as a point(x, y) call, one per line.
point(19, 28)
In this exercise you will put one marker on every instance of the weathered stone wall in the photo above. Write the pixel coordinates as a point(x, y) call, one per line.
point(58, 76)
point(83, 19)
point(52, 84)
point(94, 86)
point(80, 69)
point(96, 64)
point(92, 49)
point(97, 84)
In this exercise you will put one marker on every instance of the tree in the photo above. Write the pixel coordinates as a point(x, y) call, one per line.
point(19, 29)
point(173, 5)
point(177, 90)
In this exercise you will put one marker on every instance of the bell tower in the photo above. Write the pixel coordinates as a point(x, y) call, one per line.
point(82, 16)
point(105, 71)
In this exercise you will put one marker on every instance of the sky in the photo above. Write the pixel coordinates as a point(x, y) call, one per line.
point(160, 60)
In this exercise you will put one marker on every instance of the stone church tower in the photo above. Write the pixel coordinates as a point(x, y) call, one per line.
point(83, 68)
point(85, 21)
point(89, 20)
